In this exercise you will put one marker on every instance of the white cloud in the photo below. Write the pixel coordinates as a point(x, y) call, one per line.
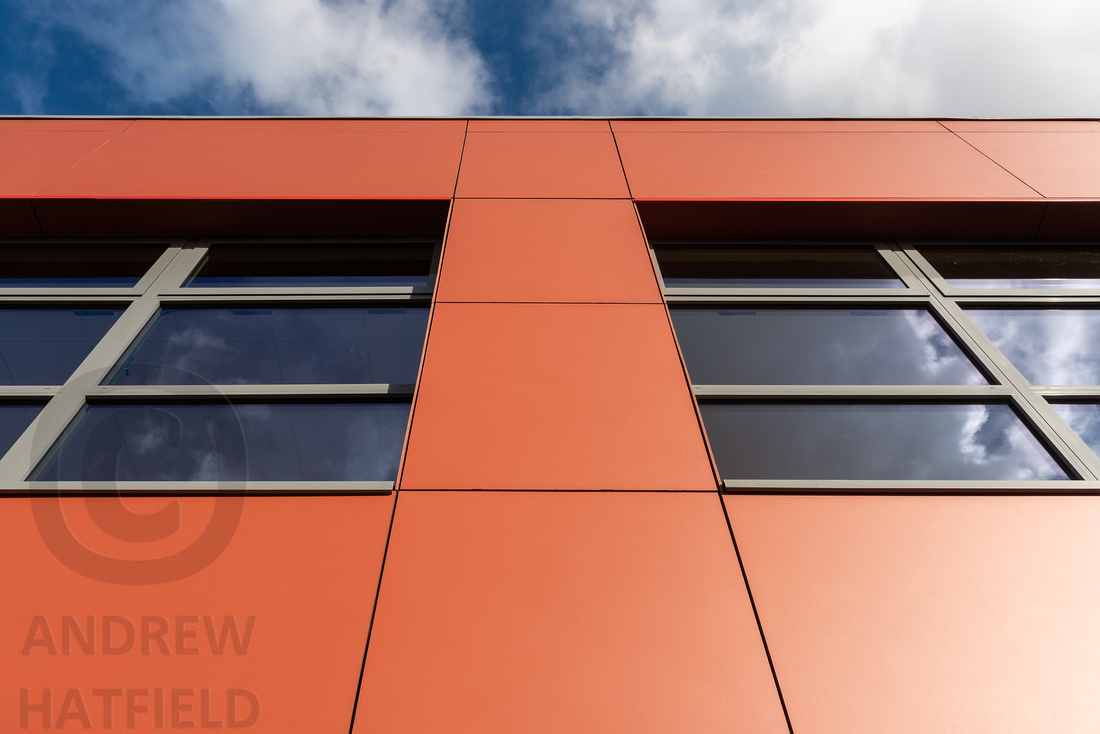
point(313, 57)
point(995, 58)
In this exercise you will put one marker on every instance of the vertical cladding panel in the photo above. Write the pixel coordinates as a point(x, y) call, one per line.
point(583, 165)
point(919, 614)
point(285, 159)
point(529, 250)
point(829, 165)
point(1056, 164)
point(551, 612)
point(304, 569)
point(554, 396)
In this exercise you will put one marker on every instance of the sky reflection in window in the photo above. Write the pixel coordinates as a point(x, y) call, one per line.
point(247, 442)
point(1050, 346)
point(14, 419)
point(222, 346)
point(939, 441)
point(42, 346)
point(820, 347)
point(1084, 418)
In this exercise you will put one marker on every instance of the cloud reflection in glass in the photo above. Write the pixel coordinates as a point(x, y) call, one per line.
point(819, 347)
point(1084, 418)
point(245, 442)
point(1050, 346)
point(916, 441)
point(272, 346)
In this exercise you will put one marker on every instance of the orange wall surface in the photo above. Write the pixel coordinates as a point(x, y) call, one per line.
point(557, 555)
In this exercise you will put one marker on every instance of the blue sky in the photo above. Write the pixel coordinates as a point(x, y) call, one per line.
point(967, 58)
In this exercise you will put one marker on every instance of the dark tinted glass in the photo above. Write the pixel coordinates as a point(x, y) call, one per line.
point(14, 419)
point(819, 347)
point(778, 266)
point(875, 441)
point(1017, 267)
point(42, 346)
point(1083, 418)
point(271, 442)
point(1050, 346)
point(186, 346)
point(315, 265)
point(75, 267)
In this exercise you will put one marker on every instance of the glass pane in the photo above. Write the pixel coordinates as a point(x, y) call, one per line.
point(14, 419)
point(874, 441)
point(1017, 267)
point(249, 442)
point(75, 267)
point(1083, 418)
point(42, 346)
point(315, 265)
point(186, 346)
point(1050, 346)
point(819, 347)
point(775, 266)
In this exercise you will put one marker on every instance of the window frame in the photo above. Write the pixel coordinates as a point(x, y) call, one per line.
point(925, 290)
point(163, 286)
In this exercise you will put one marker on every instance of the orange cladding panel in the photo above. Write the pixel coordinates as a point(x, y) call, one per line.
point(269, 159)
point(538, 396)
point(564, 612)
point(778, 126)
point(270, 624)
point(62, 125)
point(1064, 164)
point(546, 250)
point(928, 614)
point(531, 126)
point(811, 165)
point(547, 165)
point(32, 158)
point(1016, 126)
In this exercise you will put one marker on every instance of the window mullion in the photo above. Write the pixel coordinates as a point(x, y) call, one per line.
point(1038, 412)
point(30, 448)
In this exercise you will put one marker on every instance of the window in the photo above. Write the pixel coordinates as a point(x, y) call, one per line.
point(774, 266)
point(1013, 266)
point(277, 345)
point(309, 265)
point(232, 441)
point(222, 366)
point(104, 265)
point(860, 365)
point(1036, 310)
point(43, 346)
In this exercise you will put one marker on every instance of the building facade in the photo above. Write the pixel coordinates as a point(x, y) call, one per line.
point(494, 425)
